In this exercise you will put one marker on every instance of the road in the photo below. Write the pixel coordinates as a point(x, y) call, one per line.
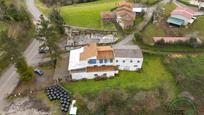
point(9, 78)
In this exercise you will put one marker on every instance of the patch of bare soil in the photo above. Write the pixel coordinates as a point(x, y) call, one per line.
point(27, 106)
point(170, 30)
point(38, 83)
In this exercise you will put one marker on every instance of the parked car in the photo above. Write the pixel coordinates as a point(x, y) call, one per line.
point(38, 72)
point(43, 49)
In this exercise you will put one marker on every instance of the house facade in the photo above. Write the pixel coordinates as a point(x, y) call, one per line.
point(128, 58)
point(94, 61)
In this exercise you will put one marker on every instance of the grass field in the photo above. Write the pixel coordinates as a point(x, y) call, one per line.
point(85, 14)
point(153, 75)
point(198, 27)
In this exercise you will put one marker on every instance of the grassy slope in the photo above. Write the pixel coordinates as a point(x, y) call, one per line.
point(152, 75)
point(85, 14)
point(190, 67)
point(189, 74)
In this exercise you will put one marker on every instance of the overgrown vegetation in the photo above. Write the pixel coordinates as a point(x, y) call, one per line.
point(15, 20)
point(11, 48)
point(188, 72)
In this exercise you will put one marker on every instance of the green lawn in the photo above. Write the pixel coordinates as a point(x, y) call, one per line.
point(153, 75)
point(168, 8)
point(198, 27)
point(85, 14)
point(151, 31)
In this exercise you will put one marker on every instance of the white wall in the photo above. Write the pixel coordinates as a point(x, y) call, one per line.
point(126, 64)
point(91, 75)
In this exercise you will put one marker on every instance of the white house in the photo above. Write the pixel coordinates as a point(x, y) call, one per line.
point(94, 61)
point(91, 61)
point(128, 58)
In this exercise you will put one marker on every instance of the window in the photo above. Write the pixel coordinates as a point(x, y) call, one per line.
point(111, 60)
point(116, 60)
point(135, 65)
point(101, 61)
point(123, 61)
point(105, 74)
point(105, 60)
point(95, 75)
point(138, 61)
point(130, 61)
point(92, 61)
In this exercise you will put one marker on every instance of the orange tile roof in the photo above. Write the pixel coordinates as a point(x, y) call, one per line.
point(101, 68)
point(105, 55)
point(101, 52)
point(124, 9)
point(127, 4)
point(89, 51)
point(104, 48)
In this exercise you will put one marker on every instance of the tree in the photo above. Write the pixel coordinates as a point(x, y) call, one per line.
point(46, 33)
point(57, 20)
point(193, 42)
point(24, 70)
point(11, 48)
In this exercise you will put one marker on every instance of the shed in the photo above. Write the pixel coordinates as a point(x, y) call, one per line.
point(175, 21)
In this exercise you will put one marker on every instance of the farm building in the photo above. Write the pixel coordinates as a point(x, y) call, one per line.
point(181, 16)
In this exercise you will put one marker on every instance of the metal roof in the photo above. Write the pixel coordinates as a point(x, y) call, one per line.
point(175, 21)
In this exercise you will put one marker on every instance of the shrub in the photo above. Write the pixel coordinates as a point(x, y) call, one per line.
point(23, 70)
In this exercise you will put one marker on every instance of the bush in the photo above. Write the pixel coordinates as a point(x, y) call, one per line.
point(23, 70)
